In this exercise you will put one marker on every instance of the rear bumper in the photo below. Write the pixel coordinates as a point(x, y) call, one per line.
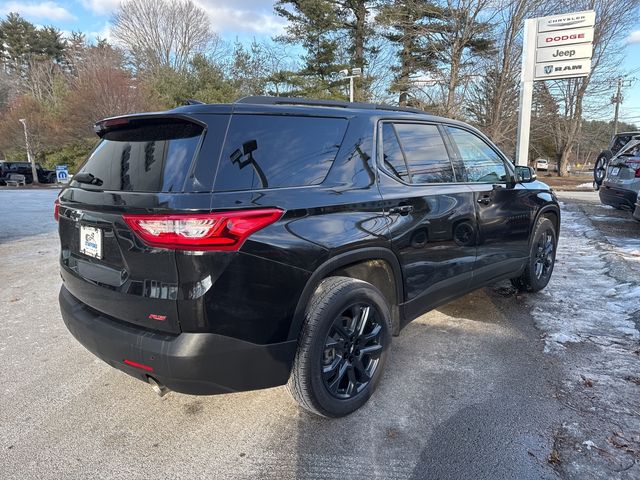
point(192, 363)
point(618, 197)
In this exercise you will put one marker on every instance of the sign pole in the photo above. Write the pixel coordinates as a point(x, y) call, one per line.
point(526, 91)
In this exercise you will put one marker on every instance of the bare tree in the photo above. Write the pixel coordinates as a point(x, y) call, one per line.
point(162, 33)
point(45, 81)
point(493, 101)
point(102, 88)
point(465, 39)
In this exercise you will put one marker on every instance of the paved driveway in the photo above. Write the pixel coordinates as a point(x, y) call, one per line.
point(468, 393)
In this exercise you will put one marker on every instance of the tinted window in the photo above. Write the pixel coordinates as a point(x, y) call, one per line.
point(154, 156)
point(271, 151)
point(425, 152)
point(392, 157)
point(481, 163)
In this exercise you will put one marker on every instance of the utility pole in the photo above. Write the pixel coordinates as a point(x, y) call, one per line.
point(617, 100)
point(34, 170)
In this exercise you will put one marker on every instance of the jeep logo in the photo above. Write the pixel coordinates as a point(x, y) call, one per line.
point(564, 53)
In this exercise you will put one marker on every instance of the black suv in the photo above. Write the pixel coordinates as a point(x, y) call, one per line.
point(221, 248)
point(24, 168)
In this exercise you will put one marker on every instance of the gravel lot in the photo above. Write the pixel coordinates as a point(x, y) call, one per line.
point(471, 391)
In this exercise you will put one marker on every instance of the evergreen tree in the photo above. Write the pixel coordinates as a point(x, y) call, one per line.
point(335, 35)
point(17, 36)
point(411, 25)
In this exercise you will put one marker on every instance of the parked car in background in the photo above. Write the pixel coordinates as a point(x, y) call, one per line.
point(621, 183)
point(636, 212)
point(542, 164)
point(618, 142)
point(24, 168)
point(547, 166)
point(221, 248)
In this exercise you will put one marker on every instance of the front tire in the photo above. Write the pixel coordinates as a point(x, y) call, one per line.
point(343, 347)
point(542, 258)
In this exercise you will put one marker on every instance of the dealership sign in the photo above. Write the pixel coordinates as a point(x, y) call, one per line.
point(554, 48)
point(563, 46)
point(573, 68)
point(565, 37)
point(571, 20)
point(564, 52)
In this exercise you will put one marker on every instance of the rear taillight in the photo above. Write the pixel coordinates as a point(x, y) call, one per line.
point(56, 209)
point(210, 231)
point(634, 164)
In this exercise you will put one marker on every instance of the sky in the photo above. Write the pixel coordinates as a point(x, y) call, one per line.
point(247, 19)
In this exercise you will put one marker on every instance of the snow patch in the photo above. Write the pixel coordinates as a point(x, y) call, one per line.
point(582, 303)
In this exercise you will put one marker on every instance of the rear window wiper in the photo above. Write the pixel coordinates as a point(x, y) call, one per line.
point(89, 178)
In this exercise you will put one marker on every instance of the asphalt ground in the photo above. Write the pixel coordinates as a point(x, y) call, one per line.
point(468, 393)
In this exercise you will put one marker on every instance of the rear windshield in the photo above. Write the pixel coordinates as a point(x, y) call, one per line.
point(152, 157)
point(272, 151)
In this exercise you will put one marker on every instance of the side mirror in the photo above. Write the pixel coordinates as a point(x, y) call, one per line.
point(525, 174)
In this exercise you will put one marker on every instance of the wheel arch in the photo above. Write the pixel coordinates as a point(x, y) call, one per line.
point(376, 265)
point(553, 214)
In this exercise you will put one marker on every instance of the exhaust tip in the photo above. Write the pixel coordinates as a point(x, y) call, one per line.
point(157, 387)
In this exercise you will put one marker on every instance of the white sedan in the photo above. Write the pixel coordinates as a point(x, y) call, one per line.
point(542, 164)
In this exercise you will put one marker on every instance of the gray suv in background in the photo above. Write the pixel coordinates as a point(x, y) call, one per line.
point(622, 180)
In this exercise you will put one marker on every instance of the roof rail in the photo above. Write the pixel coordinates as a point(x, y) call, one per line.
point(192, 101)
point(266, 100)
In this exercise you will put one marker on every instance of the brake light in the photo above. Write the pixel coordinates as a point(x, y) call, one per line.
point(210, 231)
point(635, 164)
point(56, 209)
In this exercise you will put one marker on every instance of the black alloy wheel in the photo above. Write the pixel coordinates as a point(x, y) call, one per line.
point(544, 255)
point(539, 268)
point(343, 347)
point(352, 350)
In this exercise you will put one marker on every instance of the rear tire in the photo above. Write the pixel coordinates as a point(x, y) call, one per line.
point(342, 349)
point(542, 258)
point(600, 168)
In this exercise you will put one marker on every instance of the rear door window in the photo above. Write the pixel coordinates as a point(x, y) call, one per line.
point(151, 155)
point(272, 151)
point(425, 153)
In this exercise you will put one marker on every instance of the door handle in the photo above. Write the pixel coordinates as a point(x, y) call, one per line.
point(485, 199)
point(402, 209)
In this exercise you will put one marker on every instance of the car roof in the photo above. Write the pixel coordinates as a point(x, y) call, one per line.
point(263, 105)
point(310, 107)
